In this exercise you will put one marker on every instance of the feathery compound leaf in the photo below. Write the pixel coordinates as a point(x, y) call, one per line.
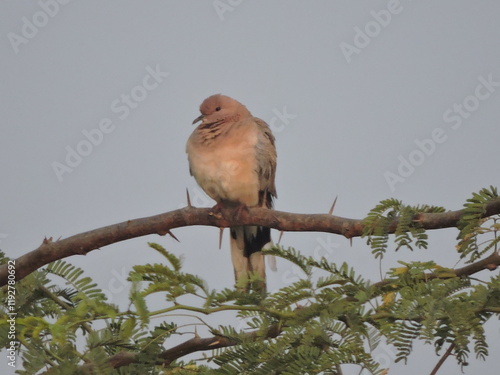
point(406, 333)
point(291, 255)
point(471, 222)
point(173, 260)
point(298, 291)
point(137, 298)
point(84, 286)
point(408, 230)
point(160, 278)
point(376, 224)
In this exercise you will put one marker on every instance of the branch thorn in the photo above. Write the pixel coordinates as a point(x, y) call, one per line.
point(47, 240)
point(333, 206)
point(220, 237)
point(281, 235)
point(172, 235)
point(188, 198)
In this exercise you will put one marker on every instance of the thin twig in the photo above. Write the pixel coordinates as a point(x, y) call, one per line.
point(442, 359)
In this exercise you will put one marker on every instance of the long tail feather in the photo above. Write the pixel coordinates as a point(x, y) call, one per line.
point(246, 245)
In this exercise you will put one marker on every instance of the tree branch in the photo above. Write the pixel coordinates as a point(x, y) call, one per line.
point(491, 262)
point(83, 243)
point(193, 345)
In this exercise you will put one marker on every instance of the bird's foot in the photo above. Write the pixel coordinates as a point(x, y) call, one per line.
point(241, 209)
point(218, 207)
point(217, 210)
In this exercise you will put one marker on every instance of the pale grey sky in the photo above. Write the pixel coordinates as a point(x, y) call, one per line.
point(367, 99)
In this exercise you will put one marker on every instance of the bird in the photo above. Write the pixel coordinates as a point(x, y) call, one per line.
point(232, 156)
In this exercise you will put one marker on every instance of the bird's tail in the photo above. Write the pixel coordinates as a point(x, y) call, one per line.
point(248, 260)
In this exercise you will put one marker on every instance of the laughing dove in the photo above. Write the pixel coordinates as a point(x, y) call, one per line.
point(232, 156)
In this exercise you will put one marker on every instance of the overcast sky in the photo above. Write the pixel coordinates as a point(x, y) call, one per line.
point(367, 100)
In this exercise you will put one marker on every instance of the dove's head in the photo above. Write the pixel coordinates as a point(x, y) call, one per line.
point(218, 109)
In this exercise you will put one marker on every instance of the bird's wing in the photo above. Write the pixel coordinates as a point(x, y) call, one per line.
point(266, 163)
point(266, 169)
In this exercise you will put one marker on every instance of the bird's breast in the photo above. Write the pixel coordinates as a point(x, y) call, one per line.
point(226, 170)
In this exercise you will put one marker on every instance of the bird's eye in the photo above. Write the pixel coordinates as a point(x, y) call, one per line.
point(217, 109)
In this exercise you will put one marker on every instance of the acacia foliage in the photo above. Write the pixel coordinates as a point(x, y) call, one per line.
point(330, 317)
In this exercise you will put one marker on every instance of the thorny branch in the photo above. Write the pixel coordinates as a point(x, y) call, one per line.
point(81, 244)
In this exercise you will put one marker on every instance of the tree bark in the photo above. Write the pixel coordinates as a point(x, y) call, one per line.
point(80, 244)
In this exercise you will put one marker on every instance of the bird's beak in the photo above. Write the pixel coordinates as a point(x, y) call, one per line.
point(197, 119)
